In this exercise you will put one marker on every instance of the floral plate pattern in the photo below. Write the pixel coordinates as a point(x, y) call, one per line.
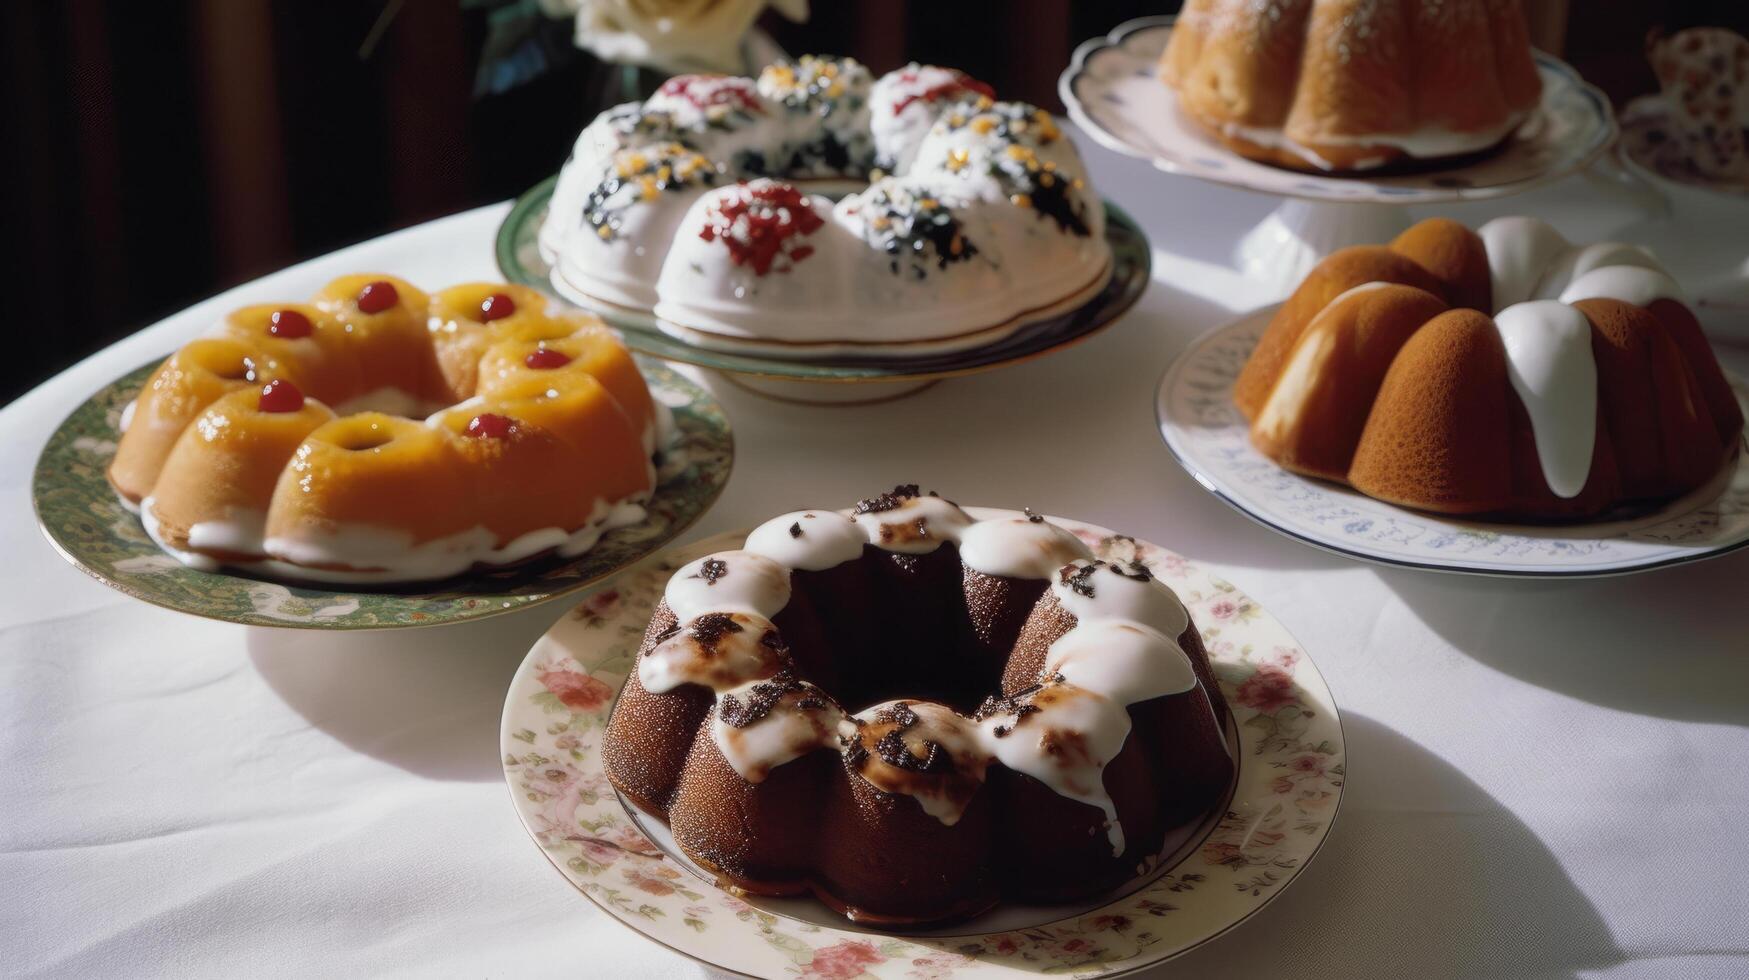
point(1112, 93)
point(1289, 787)
point(520, 261)
point(88, 525)
point(1209, 438)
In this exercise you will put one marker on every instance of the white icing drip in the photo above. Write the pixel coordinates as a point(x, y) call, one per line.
point(1630, 284)
point(1066, 744)
point(809, 540)
point(1426, 143)
point(371, 555)
point(740, 581)
point(1122, 650)
point(1580, 260)
point(1019, 547)
point(917, 526)
point(942, 796)
point(785, 733)
point(1129, 662)
point(1519, 250)
point(721, 651)
point(1549, 362)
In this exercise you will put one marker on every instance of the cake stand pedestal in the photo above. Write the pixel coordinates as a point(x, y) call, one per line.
point(1112, 93)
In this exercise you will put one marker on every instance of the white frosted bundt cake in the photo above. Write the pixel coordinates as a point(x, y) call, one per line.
point(696, 207)
point(1506, 372)
point(1335, 85)
point(914, 713)
point(258, 446)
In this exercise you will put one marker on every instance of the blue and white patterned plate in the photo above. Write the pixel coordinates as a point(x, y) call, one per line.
point(1205, 432)
point(1112, 93)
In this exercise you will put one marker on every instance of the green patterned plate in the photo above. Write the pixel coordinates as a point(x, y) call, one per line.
point(520, 261)
point(87, 524)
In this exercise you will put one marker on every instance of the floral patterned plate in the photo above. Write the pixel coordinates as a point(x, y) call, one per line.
point(1289, 786)
point(88, 525)
point(520, 261)
point(1205, 432)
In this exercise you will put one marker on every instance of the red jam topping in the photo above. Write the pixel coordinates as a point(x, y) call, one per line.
point(488, 425)
point(377, 296)
point(280, 395)
point(959, 84)
point(704, 91)
point(496, 307)
point(759, 225)
point(289, 324)
point(545, 359)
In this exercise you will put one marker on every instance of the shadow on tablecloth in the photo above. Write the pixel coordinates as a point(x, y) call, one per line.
point(426, 700)
point(1672, 643)
point(1425, 875)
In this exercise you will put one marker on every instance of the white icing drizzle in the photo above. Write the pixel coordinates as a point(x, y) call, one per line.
point(1122, 650)
point(1550, 365)
point(1535, 273)
point(359, 554)
point(1630, 284)
point(809, 540)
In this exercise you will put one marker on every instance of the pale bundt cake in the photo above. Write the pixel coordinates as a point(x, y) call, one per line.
point(913, 714)
point(1505, 373)
point(1337, 85)
point(685, 207)
point(256, 446)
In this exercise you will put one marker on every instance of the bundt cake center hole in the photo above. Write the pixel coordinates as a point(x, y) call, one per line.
point(361, 441)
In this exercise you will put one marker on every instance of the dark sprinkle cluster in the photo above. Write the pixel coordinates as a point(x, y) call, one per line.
point(713, 570)
point(1015, 704)
point(795, 530)
point(916, 232)
point(891, 500)
point(894, 752)
point(650, 172)
point(1079, 579)
point(741, 710)
point(709, 630)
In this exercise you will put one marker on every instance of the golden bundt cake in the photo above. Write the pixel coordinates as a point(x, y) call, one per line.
point(295, 439)
point(913, 714)
point(1506, 373)
point(1344, 85)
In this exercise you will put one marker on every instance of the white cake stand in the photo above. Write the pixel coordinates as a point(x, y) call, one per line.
point(1112, 93)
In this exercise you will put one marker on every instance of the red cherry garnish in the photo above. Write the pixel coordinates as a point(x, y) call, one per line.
point(496, 307)
point(488, 425)
point(280, 395)
point(377, 296)
point(545, 359)
point(289, 324)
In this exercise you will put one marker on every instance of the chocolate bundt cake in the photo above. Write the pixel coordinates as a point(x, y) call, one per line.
point(915, 714)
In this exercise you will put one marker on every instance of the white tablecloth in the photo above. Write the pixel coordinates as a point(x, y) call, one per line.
point(1547, 779)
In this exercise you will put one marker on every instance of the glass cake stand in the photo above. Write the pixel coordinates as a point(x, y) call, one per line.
point(1112, 93)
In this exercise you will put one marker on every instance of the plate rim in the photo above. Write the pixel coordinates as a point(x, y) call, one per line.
point(674, 555)
point(1167, 429)
point(1130, 290)
point(1608, 135)
point(64, 550)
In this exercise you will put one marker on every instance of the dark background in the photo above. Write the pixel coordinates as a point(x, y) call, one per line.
point(157, 151)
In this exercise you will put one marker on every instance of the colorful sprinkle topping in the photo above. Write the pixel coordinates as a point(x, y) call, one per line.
point(760, 224)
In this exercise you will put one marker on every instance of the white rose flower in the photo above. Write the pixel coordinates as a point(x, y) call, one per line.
point(671, 35)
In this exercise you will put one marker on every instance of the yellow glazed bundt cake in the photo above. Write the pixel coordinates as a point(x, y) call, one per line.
point(282, 441)
point(1506, 373)
point(913, 713)
point(1344, 85)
